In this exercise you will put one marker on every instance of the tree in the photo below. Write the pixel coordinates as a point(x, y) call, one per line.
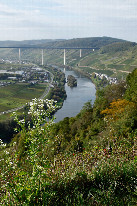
point(131, 92)
point(121, 117)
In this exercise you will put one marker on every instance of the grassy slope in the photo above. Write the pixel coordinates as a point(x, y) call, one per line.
point(19, 94)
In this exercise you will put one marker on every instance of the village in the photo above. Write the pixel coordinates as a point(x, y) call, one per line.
point(27, 73)
point(104, 76)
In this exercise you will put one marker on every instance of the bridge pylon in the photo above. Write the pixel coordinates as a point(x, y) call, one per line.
point(42, 58)
point(64, 57)
point(80, 53)
point(19, 56)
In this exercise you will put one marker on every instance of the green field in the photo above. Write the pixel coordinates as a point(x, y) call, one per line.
point(18, 94)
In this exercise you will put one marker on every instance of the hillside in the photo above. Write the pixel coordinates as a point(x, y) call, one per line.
point(87, 42)
point(115, 57)
point(85, 160)
point(77, 42)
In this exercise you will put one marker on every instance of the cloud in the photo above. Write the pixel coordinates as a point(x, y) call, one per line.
point(68, 18)
point(121, 8)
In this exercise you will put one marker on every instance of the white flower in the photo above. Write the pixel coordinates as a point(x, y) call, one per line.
point(7, 152)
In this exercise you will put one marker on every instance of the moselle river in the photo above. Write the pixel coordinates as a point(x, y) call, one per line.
point(76, 96)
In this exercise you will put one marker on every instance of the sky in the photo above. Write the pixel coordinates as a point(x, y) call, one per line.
point(67, 19)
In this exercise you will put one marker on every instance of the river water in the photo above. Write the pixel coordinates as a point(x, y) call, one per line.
point(76, 96)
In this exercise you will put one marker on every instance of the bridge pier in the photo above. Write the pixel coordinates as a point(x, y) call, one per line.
point(42, 58)
point(80, 53)
point(64, 57)
point(19, 56)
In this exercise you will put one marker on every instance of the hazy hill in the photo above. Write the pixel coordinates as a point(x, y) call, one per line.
point(77, 42)
point(87, 42)
point(27, 42)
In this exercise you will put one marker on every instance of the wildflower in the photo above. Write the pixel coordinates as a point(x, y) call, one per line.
point(7, 152)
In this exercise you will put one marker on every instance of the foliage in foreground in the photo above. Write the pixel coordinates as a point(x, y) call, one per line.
point(87, 160)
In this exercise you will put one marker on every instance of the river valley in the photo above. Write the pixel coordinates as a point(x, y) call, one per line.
point(76, 96)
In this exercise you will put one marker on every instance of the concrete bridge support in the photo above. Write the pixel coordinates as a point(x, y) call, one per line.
point(42, 58)
point(19, 56)
point(64, 60)
point(64, 57)
point(80, 53)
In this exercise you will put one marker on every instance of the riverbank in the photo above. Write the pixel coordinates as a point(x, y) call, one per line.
point(57, 91)
point(99, 83)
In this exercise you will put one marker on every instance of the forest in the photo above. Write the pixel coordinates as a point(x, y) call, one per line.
point(89, 159)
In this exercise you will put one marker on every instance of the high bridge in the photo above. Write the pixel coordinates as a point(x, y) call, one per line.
point(49, 48)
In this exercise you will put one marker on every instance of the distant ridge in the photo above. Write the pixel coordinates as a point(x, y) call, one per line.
point(76, 42)
point(26, 43)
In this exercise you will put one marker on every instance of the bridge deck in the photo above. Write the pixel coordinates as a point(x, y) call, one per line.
point(30, 47)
